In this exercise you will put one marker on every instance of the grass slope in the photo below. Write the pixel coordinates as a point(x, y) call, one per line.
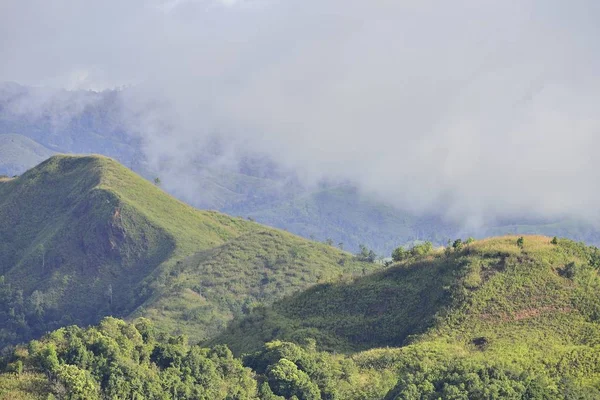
point(19, 153)
point(536, 307)
point(493, 320)
point(208, 289)
point(86, 237)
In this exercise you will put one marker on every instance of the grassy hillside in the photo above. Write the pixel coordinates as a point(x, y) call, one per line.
point(495, 319)
point(534, 306)
point(490, 282)
point(19, 153)
point(85, 237)
point(209, 288)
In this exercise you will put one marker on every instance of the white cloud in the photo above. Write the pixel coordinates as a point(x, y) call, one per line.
point(471, 108)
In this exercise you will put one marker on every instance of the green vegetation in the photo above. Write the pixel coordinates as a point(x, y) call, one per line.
point(531, 314)
point(418, 250)
point(514, 317)
point(207, 290)
point(365, 254)
point(84, 237)
point(118, 360)
point(491, 321)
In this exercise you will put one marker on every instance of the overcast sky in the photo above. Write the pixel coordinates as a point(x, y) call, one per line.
point(471, 108)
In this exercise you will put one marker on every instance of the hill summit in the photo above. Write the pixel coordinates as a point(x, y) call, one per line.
point(86, 237)
point(487, 289)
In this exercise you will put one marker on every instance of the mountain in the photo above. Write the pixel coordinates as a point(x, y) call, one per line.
point(349, 218)
point(220, 176)
point(531, 304)
point(68, 121)
point(490, 288)
point(500, 318)
point(19, 153)
point(85, 237)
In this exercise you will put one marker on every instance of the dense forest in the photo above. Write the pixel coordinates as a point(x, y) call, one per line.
point(119, 360)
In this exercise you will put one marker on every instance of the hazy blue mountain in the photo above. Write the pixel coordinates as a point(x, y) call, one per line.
point(68, 121)
point(347, 217)
point(18, 153)
point(250, 185)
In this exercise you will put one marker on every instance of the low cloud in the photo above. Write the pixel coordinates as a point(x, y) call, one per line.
point(473, 110)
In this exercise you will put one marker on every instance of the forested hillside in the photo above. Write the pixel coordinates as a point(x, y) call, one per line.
point(501, 318)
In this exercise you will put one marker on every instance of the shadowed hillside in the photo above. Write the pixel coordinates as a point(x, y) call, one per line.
point(85, 237)
point(82, 233)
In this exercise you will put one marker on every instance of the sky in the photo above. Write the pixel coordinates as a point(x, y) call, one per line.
point(474, 109)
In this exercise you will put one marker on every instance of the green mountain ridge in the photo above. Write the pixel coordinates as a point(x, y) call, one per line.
point(500, 318)
point(486, 284)
point(85, 237)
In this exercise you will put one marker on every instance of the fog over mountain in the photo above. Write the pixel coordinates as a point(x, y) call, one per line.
point(472, 110)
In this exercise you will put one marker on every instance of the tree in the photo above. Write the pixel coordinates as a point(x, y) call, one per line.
point(372, 256)
point(79, 383)
point(157, 181)
point(569, 270)
point(341, 245)
point(554, 240)
point(521, 242)
point(469, 240)
point(400, 253)
point(457, 245)
point(421, 249)
point(365, 254)
point(287, 380)
point(37, 303)
point(329, 242)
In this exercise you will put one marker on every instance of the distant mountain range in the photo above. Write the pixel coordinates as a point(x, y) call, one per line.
point(252, 186)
